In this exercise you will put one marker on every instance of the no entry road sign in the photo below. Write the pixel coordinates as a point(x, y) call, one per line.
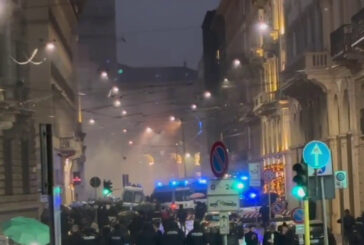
point(219, 160)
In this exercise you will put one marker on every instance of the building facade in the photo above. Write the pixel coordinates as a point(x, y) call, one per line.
point(306, 58)
point(38, 85)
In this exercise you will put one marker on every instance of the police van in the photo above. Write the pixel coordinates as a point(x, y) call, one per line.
point(179, 192)
point(132, 196)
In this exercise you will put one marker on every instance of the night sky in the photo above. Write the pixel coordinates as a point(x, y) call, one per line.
point(161, 32)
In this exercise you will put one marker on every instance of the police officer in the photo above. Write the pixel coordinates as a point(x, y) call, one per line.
point(196, 236)
point(173, 236)
point(89, 237)
point(116, 237)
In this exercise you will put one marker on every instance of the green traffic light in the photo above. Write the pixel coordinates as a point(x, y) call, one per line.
point(238, 186)
point(299, 192)
point(120, 71)
point(106, 192)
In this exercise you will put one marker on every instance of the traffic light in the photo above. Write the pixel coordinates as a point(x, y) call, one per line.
point(238, 186)
point(107, 191)
point(300, 191)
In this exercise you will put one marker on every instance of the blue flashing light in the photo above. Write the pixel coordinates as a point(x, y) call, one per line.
point(252, 195)
point(159, 184)
point(240, 186)
point(202, 181)
point(186, 182)
point(244, 178)
point(174, 183)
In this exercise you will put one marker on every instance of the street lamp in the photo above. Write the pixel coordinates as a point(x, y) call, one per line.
point(117, 103)
point(207, 95)
point(131, 142)
point(50, 46)
point(172, 118)
point(125, 130)
point(124, 112)
point(193, 107)
point(188, 155)
point(104, 75)
point(149, 130)
point(91, 121)
point(262, 26)
point(115, 90)
point(236, 63)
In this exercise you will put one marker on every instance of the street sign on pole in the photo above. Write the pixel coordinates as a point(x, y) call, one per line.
point(300, 229)
point(219, 159)
point(223, 203)
point(255, 174)
point(224, 223)
point(95, 182)
point(316, 154)
point(341, 180)
point(298, 215)
point(324, 171)
point(222, 187)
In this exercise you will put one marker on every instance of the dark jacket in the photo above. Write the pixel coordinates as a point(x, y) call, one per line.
point(89, 237)
point(348, 224)
point(269, 238)
point(196, 237)
point(147, 238)
point(182, 215)
point(173, 237)
point(251, 238)
point(74, 238)
point(116, 238)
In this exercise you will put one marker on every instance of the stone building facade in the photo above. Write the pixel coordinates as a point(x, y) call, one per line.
point(42, 90)
point(305, 61)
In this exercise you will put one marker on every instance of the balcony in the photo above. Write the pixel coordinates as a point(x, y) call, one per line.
point(347, 42)
point(308, 61)
point(341, 42)
point(358, 30)
point(260, 3)
point(265, 102)
point(270, 46)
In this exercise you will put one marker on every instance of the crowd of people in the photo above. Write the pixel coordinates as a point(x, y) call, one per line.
point(110, 224)
point(353, 228)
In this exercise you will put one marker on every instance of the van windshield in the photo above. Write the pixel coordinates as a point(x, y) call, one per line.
point(163, 196)
point(133, 196)
point(182, 195)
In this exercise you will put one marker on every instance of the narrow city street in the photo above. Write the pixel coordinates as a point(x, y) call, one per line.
point(181, 122)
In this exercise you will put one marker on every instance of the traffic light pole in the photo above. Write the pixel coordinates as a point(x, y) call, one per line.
point(307, 222)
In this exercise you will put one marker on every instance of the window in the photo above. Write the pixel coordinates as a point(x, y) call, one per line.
point(163, 196)
point(138, 197)
point(182, 195)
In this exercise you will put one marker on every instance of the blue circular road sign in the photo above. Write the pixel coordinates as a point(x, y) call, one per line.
point(298, 215)
point(219, 160)
point(316, 154)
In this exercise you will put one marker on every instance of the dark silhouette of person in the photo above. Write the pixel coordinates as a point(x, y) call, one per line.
point(173, 235)
point(196, 236)
point(251, 238)
point(348, 224)
point(182, 216)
